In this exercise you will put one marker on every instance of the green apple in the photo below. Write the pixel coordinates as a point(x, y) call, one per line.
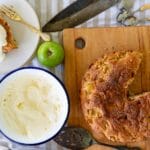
point(50, 54)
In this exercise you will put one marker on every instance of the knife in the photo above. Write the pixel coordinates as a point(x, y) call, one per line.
point(77, 13)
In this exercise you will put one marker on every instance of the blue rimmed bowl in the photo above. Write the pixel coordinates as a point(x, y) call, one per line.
point(36, 71)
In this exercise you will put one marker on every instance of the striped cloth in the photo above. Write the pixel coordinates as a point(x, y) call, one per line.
point(46, 9)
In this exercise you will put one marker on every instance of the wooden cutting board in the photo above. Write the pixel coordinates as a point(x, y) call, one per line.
point(83, 46)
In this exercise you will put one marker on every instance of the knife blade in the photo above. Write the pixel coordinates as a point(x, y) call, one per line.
point(77, 13)
point(72, 9)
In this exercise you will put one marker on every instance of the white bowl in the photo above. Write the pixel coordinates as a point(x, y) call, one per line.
point(12, 79)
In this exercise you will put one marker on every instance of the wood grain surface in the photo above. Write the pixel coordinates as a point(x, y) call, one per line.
point(99, 41)
point(99, 147)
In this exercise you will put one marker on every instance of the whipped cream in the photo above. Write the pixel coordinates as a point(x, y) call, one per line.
point(3, 42)
point(33, 106)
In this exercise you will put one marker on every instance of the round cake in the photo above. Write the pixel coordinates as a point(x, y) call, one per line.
point(107, 108)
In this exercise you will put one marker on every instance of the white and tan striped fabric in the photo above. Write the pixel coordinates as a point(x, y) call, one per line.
point(46, 9)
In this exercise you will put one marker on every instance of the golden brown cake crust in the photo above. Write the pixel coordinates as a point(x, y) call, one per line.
point(11, 43)
point(107, 109)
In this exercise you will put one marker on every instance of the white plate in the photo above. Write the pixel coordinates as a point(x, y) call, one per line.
point(27, 41)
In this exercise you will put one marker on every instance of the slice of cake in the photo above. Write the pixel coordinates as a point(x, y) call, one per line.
point(10, 42)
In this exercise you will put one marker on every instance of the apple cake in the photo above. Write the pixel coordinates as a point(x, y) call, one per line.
point(107, 108)
point(11, 43)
